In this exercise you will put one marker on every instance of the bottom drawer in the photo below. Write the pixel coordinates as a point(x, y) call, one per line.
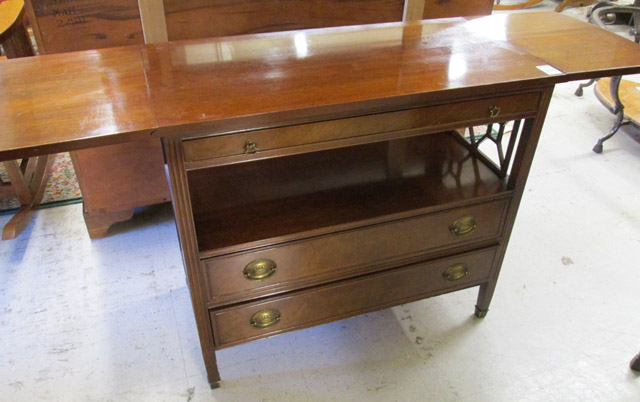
point(350, 297)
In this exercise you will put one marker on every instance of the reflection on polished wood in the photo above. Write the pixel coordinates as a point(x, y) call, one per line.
point(195, 83)
point(190, 82)
point(578, 49)
point(346, 196)
point(56, 103)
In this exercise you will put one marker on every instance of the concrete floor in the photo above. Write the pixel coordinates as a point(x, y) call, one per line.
point(111, 320)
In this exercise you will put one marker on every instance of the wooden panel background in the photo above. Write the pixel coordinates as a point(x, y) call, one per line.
point(191, 19)
point(69, 25)
point(456, 8)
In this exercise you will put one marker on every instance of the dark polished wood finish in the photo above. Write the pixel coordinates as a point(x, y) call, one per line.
point(196, 19)
point(184, 222)
point(58, 103)
point(27, 177)
point(308, 192)
point(456, 8)
point(357, 192)
point(114, 179)
point(115, 72)
point(347, 253)
point(340, 300)
point(426, 119)
point(308, 72)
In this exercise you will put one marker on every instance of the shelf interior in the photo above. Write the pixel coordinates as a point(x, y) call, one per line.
point(258, 201)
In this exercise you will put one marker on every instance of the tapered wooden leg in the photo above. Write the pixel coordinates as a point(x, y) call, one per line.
point(98, 224)
point(484, 298)
point(213, 375)
point(184, 222)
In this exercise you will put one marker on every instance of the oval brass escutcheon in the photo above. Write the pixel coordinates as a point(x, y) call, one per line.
point(250, 147)
point(494, 111)
point(455, 272)
point(463, 226)
point(265, 318)
point(259, 269)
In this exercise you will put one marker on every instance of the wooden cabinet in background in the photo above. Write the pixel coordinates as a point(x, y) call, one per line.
point(113, 179)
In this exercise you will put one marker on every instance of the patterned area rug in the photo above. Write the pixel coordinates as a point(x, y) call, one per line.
point(62, 187)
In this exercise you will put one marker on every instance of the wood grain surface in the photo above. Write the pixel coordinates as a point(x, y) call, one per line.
point(92, 24)
point(456, 8)
point(194, 19)
point(197, 82)
point(62, 102)
point(343, 299)
point(578, 49)
point(100, 97)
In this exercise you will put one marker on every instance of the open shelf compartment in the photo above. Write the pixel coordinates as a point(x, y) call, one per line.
point(252, 204)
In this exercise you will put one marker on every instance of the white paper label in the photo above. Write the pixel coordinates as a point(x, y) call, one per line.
point(549, 70)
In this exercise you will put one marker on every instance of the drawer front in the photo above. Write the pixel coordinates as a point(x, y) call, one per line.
point(350, 297)
point(483, 110)
point(347, 253)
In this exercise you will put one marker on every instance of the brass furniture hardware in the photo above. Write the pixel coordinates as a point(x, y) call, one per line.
point(463, 226)
point(265, 318)
point(494, 111)
point(455, 272)
point(250, 147)
point(259, 269)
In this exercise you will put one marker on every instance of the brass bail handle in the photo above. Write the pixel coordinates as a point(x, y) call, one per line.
point(463, 226)
point(455, 272)
point(261, 268)
point(265, 318)
point(494, 111)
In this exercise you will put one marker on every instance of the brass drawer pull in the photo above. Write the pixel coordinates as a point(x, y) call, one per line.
point(463, 226)
point(250, 147)
point(259, 269)
point(455, 272)
point(265, 318)
point(494, 111)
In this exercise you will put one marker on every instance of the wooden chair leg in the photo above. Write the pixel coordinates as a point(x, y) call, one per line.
point(29, 193)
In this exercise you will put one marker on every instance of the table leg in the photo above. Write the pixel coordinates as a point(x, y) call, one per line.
point(30, 192)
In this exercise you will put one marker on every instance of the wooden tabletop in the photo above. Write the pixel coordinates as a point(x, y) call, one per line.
point(85, 99)
point(578, 49)
point(68, 101)
point(203, 85)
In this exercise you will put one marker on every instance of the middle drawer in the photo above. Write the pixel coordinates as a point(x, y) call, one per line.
point(284, 267)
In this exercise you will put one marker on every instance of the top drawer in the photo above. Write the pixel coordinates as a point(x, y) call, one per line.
point(438, 117)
